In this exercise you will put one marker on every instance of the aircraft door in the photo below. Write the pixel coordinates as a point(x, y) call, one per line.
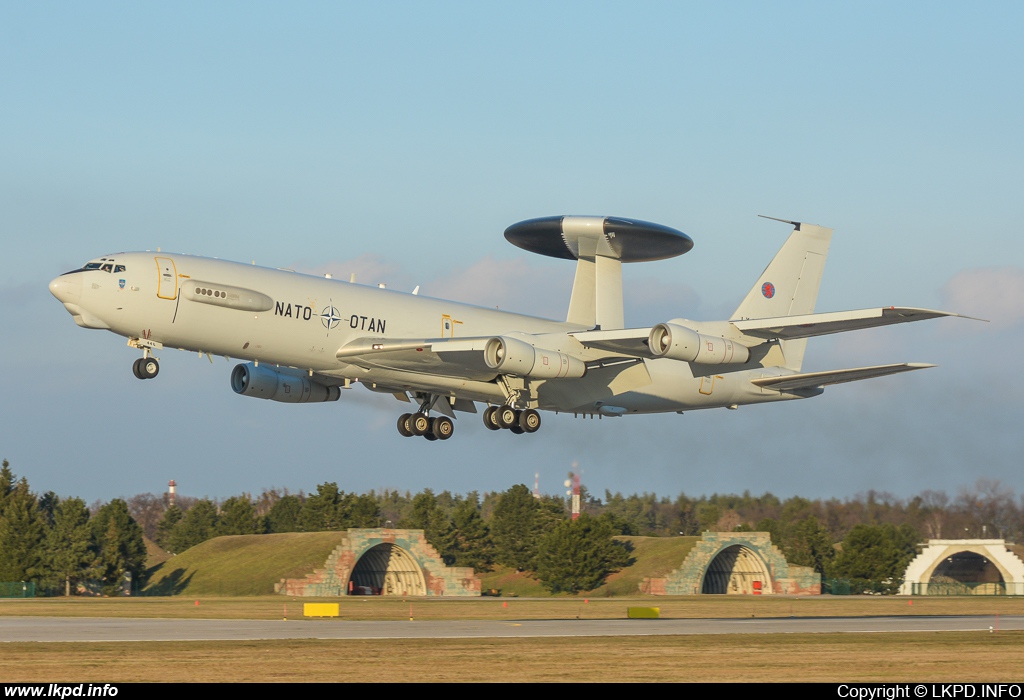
point(167, 279)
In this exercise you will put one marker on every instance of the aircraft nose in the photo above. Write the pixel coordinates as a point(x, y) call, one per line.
point(67, 288)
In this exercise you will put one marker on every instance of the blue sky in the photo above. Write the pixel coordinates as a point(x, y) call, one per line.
point(399, 140)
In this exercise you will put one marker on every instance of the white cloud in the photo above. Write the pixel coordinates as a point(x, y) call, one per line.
point(993, 293)
point(368, 269)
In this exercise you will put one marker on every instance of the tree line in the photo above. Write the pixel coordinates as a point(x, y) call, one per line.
point(868, 539)
point(59, 544)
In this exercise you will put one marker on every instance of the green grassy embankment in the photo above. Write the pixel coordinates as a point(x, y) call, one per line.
point(252, 564)
point(653, 557)
point(242, 564)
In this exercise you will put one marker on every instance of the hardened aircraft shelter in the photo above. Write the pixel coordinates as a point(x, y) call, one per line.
point(384, 561)
point(966, 567)
point(735, 563)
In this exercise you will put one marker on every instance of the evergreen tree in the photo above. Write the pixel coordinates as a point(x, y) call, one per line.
point(69, 554)
point(6, 483)
point(428, 516)
point(517, 527)
point(22, 530)
point(808, 543)
point(323, 510)
point(284, 514)
point(117, 541)
point(165, 529)
point(238, 517)
point(472, 538)
point(577, 555)
point(423, 504)
point(441, 535)
point(363, 511)
point(874, 557)
point(198, 525)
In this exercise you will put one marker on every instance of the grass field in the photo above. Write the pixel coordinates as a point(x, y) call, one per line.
point(918, 657)
point(864, 657)
point(242, 564)
point(382, 608)
point(652, 557)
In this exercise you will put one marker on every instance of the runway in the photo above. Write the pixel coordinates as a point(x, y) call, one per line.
point(77, 629)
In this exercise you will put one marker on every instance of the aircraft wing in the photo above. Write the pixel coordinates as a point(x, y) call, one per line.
point(628, 341)
point(454, 357)
point(808, 325)
point(815, 380)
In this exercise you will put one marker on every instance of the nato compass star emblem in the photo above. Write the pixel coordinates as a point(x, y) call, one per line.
point(330, 317)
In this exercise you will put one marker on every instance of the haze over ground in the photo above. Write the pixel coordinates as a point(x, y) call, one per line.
point(398, 142)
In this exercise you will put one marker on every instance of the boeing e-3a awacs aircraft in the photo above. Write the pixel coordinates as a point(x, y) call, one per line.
point(306, 337)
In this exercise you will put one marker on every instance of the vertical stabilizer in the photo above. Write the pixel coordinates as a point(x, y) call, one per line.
point(789, 285)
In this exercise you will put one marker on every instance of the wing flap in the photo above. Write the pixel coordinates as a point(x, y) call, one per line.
point(628, 341)
point(809, 325)
point(816, 380)
point(453, 357)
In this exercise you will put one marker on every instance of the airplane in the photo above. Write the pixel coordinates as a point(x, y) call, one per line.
point(305, 338)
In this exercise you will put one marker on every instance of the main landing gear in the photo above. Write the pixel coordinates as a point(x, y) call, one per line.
point(518, 422)
point(440, 428)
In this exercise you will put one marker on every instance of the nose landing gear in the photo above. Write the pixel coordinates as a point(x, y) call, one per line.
point(146, 367)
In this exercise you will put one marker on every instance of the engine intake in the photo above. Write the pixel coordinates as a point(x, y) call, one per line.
point(681, 343)
point(280, 385)
point(511, 356)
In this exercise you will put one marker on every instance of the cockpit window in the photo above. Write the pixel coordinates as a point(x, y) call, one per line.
point(103, 265)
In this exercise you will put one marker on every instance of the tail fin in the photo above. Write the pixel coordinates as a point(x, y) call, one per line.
point(789, 285)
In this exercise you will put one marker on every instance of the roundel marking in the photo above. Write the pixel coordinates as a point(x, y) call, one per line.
point(768, 290)
point(330, 317)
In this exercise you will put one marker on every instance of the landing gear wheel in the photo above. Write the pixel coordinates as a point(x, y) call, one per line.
point(506, 416)
point(490, 419)
point(516, 429)
point(403, 424)
point(429, 435)
point(419, 424)
point(146, 367)
point(443, 428)
point(529, 421)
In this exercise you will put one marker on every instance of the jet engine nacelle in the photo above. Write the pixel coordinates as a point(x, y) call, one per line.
point(511, 356)
point(280, 385)
point(681, 343)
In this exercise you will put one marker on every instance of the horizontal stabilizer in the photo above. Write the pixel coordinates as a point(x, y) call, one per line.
point(816, 380)
point(809, 325)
